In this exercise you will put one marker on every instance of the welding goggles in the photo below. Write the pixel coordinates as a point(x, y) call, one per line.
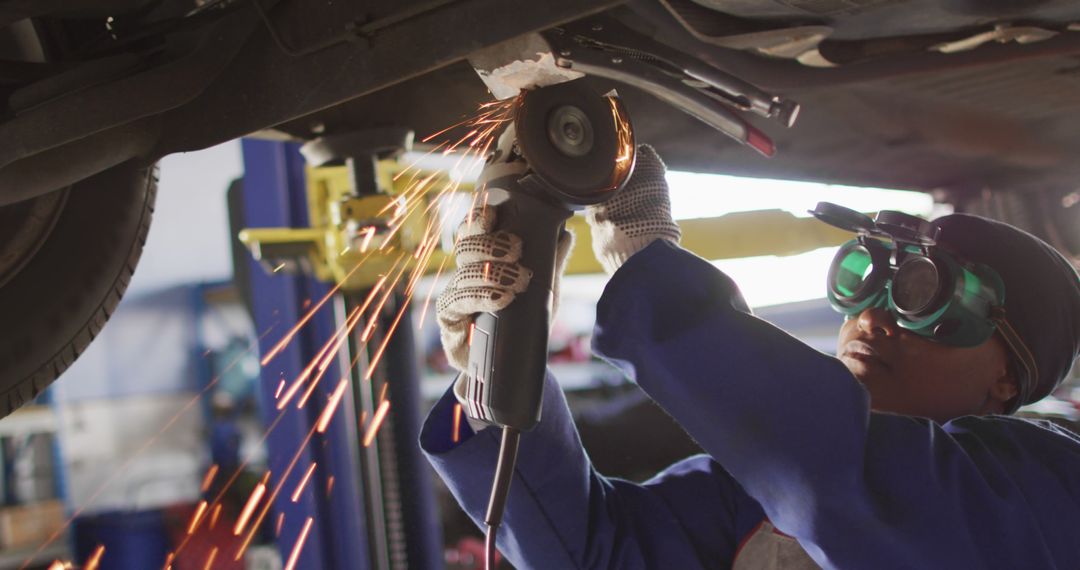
point(929, 292)
point(896, 264)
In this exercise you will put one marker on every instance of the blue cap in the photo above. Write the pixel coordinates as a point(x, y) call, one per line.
point(1042, 292)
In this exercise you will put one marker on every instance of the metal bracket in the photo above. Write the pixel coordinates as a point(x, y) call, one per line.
point(603, 47)
point(350, 241)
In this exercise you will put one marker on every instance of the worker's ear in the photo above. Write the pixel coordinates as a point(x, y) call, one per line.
point(1004, 388)
point(1005, 385)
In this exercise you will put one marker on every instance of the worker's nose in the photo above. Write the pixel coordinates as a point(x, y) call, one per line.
point(878, 321)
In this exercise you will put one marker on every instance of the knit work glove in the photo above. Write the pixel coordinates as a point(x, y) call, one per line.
point(635, 217)
point(487, 279)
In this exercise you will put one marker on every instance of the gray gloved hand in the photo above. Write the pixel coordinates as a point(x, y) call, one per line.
point(637, 216)
point(487, 279)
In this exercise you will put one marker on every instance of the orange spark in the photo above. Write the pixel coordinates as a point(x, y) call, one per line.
point(303, 483)
point(468, 135)
point(169, 561)
point(382, 392)
point(449, 188)
point(273, 495)
point(386, 340)
point(328, 412)
point(317, 380)
point(457, 422)
point(94, 561)
point(215, 515)
point(210, 558)
point(329, 349)
point(299, 381)
point(281, 344)
point(342, 335)
point(411, 209)
point(472, 329)
point(307, 393)
point(352, 365)
point(484, 134)
point(447, 129)
point(249, 508)
point(293, 389)
point(421, 266)
point(304, 374)
point(280, 387)
point(376, 422)
point(334, 344)
point(329, 486)
point(56, 565)
point(280, 521)
point(197, 517)
point(236, 474)
point(484, 202)
point(417, 161)
point(431, 291)
point(413, 191)
point(467, 121)
point(209, 478)
point(295, 554)
point(369, 232)
point(396, 227)
point(122, 468)
point(382, 302)
point(472, 208)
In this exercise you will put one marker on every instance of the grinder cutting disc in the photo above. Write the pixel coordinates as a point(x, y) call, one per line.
point(581, 144)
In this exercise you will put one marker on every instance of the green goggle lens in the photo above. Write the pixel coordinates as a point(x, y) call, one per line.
point(853, 269)
point(915, 285)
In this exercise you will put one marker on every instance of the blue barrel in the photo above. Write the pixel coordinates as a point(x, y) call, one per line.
point(132, 539)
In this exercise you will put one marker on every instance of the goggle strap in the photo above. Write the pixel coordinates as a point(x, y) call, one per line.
point(1022, 352)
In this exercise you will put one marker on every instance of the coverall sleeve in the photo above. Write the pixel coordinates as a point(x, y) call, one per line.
point(794, 428)
point(562, 514)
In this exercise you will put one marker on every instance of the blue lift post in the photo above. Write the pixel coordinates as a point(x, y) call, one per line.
point(382, 512)
point(274, 196)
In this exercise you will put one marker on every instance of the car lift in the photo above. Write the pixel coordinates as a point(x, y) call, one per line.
point(372, 507)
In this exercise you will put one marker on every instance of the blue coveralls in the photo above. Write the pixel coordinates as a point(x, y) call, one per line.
point(791, 443)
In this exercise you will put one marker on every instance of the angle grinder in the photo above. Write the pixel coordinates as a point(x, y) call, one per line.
point(567, 147)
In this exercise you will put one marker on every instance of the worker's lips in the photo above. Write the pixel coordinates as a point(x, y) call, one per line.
point(863, 352)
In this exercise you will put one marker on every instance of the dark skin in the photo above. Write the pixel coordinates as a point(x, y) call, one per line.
point(907, 374)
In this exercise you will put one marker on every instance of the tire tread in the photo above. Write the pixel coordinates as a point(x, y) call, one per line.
point(31, 386)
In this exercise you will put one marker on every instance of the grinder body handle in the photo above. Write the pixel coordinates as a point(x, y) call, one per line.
point(508, 349)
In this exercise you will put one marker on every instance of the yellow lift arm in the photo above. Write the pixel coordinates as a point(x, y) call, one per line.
point(333, 249)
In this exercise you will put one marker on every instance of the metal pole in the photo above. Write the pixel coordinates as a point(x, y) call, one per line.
point(423, 540)
point(274, 196)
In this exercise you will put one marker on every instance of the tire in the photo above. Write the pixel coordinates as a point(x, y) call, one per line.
point(59, 299)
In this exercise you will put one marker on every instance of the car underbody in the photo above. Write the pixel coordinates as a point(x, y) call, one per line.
point(882, 104)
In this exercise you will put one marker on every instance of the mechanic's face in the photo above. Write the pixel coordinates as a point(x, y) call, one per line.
point(907, 374)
